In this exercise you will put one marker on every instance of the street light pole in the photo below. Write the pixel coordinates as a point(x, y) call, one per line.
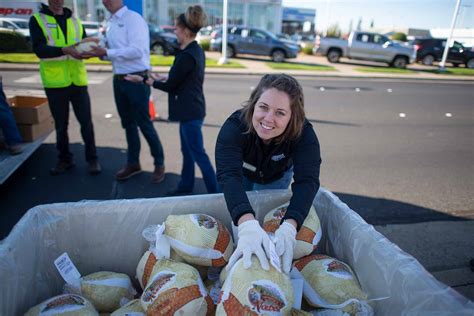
point(223, 59)
point(448, 41)
point(74, 6)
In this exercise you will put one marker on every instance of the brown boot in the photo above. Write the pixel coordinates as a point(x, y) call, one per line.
point(127, 172)
point(158, 175)
point(61, 167)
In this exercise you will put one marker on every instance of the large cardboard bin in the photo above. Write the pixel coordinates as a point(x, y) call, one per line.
point(107, 236)
point(29, 110)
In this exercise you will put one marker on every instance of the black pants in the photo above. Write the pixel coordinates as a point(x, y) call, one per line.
point(59, 99)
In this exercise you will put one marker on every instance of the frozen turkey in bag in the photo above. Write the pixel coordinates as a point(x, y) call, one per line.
point(87, 45)
point(175, 288)
point(254, 291)
point(106, 290)
point(199, 239)
point(66, 304)
point(131, 308)
point(330, 283)
point(308, 236)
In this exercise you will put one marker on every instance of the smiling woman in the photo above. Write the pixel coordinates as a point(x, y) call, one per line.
point(263, 146)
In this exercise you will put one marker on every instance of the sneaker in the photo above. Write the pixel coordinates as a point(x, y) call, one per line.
point(179, 192)
point(158, 175)
point(94, 168)
point(61, 167)
point(15, 149)
point(127, 172)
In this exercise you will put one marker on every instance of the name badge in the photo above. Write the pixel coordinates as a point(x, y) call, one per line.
point(249, 167)
point(278, 157)
point(52, 25)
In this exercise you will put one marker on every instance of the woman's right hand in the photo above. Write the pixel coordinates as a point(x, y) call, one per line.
point(252, 240)
point(158, 77)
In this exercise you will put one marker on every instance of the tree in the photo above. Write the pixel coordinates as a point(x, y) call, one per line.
point(334, 31)
point(359, 24)
point(399, 36)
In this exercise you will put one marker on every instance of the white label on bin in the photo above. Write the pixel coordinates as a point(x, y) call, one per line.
point(68, 270)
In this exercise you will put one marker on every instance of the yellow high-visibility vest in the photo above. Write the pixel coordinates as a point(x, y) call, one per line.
point(60, 72)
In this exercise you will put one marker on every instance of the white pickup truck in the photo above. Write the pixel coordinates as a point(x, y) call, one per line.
point(365, 46)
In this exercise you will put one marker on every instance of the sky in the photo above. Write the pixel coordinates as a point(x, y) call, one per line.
point(423, 14)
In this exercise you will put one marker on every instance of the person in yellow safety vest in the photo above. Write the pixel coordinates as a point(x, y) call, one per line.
point(54, 32)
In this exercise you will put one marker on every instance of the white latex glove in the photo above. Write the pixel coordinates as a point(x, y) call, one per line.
point(285, 240)
point(252, 240)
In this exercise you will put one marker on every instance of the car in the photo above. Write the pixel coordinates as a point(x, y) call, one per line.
point(161, 42)
point(303, 40)
point(429, 50)
point(15, 24)
point(168, 28)
point(204, 34)
point(365, 46)
point(255, 41)
point(92, 28)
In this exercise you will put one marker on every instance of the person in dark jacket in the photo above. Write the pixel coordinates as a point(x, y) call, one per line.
point(54, 33)
point(263, 146)
point(184, 85)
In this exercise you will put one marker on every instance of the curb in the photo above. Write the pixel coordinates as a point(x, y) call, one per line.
point(246, 72)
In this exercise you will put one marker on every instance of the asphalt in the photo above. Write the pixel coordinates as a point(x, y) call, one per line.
point(454, 268)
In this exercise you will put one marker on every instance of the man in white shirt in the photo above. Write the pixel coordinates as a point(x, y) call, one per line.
point(128, 47)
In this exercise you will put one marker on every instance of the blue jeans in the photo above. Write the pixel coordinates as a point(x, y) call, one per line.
point(7, 121)
point(192, 147)
point(132, 105)
point(282, 183)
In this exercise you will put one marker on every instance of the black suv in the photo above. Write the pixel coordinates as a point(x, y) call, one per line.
point(161, 42)
point(429, 50)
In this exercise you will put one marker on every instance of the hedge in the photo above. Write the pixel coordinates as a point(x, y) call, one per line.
point(13, 42)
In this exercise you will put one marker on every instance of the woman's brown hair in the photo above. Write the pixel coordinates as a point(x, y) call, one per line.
point(193, 19)
point(293, 89)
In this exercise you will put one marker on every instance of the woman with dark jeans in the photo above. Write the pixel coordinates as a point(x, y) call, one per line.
point(184, 85)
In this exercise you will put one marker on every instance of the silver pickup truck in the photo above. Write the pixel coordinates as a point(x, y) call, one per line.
point(365, 46)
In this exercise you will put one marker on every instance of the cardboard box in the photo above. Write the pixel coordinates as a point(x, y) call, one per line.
point(29, 110)
point(31, 132)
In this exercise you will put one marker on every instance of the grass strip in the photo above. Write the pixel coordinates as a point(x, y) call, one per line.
point(385, 70)
point(296, 66)
point(155, 60)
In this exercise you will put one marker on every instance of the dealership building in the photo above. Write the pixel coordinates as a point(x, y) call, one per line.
point(265, 14)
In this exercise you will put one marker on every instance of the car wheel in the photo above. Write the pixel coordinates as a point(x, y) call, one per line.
point(334, 55)
point(428, 60)
point(278, 56)
point(470, 63)
point(400, 62)
point(230, 51)
point(158, 49)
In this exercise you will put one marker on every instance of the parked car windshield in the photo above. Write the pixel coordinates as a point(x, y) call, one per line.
point(22, 24)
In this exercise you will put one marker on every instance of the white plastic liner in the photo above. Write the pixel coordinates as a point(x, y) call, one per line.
point(107, 236)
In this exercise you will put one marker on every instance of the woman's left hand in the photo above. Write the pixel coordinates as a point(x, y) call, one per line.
point(285, 243)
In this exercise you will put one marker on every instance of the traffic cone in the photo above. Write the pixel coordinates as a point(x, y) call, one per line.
point(151, 109)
